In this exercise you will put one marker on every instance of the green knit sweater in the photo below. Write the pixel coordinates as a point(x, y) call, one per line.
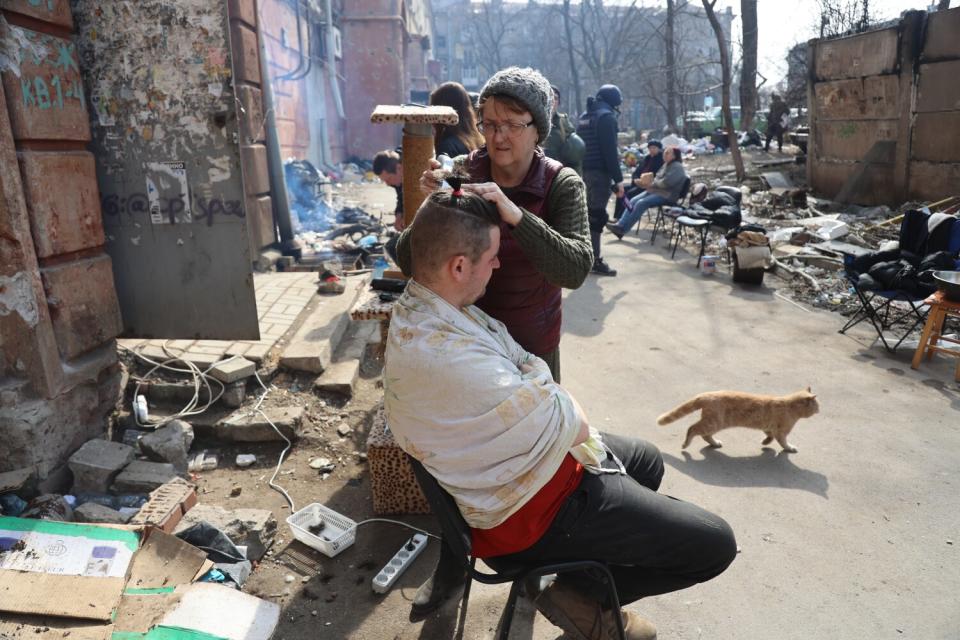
point(559, 246)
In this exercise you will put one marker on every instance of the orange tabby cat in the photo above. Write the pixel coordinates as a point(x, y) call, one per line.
point(774, 415)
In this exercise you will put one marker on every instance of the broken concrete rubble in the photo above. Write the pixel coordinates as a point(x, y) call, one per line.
point(254, 426)
point(96, 464)
point(93, 512)
point(339, 379)
point(254, 529)
point(141, 476)
point(169, 443)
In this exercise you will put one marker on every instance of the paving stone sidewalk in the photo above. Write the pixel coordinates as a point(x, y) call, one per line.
point(280, 299)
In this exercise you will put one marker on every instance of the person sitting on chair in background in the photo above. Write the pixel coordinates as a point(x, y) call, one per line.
point(663, 189)
point(651, 164)
point(534, 481)
point(463, 137)
point(387, 167)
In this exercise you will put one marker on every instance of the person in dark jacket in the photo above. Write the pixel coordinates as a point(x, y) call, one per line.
point(463, 137)
point(775, 122)
point(387, 167)
point(651, 164)
point(563, 143)
point(601, 164)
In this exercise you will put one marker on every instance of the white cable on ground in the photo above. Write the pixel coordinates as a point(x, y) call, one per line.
point(402, 524)
point(257, 409)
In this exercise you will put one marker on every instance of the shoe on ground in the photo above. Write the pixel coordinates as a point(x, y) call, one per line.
point(601, 268)
point(583, 618)
point(616, 230)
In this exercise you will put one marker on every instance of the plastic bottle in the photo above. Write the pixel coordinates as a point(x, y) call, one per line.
point(379, 266)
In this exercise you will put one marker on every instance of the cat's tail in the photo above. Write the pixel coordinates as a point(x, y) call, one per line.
point(686, 408)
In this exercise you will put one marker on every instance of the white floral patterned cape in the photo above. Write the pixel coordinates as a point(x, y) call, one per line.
point(457, 400)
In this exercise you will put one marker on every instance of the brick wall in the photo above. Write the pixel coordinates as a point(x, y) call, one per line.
point(58, 307)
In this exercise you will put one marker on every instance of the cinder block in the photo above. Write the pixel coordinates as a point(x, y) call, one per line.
point(233, 370)
point(63, 200)
point(96, 464)
point(253, 528)
point(256, 173)
point(252, 126)
point(245, 10)
point(55, 12)
point(83, 304)
point(46, 101)
point(339, 378)
point(93, 512)
point(143, 477)
point(246, 53)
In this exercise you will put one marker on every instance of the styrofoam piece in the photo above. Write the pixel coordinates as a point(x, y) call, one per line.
point(383, 581)
point(338, 532)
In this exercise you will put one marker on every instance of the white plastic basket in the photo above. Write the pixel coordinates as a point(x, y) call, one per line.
point(338, 532)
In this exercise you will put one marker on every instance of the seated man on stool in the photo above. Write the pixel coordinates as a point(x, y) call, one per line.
point(516, 451)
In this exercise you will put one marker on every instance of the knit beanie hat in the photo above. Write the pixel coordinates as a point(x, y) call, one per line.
point(529, 87)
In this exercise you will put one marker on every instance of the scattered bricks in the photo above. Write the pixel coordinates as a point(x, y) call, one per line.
point(97, 463)
point(170, 443)
point(233, 370)
point(83, 304)
point(247, 426)
point(167, 505)
point(143, 477)
point(253, 528)
point(93, 512)
point(339, 378)
point(62, 197)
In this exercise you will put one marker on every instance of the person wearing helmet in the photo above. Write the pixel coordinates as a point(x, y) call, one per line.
point(601, 164)
point(563, 143)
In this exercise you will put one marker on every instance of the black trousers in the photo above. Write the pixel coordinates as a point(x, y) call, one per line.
point(598, 186)
point(774, 131)
point(653, 543)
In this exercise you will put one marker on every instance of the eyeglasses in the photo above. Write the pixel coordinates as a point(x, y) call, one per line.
point(509, 129)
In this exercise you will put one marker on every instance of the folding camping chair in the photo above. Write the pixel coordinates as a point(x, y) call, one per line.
point(878, 307)
point(673, 212)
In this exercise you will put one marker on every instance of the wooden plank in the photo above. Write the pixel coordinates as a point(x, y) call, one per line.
point(873, 97)
point(936, 137)
point(937, 88)
point(852, 139)
point(866, 54)
point(942, 30)
point(931, 181)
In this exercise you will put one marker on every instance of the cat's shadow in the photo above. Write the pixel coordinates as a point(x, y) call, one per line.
point(768, 469)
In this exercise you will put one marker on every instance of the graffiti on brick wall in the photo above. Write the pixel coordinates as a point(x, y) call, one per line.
point(50, 74)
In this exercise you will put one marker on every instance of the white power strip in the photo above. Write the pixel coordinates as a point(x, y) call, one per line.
point(399, 563)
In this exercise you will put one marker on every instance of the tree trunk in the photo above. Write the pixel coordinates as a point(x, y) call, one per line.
point(669, 52)
point(725, 66)
point(748, 72)
point(574, 74)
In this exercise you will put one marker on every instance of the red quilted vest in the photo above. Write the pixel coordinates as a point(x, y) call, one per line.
point(518, 295)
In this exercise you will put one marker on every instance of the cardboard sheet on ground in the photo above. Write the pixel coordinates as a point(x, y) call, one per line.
point(63, 569)
point(223, 612)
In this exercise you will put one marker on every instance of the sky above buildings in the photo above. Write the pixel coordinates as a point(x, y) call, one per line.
point(784, 23)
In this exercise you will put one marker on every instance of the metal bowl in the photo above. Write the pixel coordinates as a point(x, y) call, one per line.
point(949, 283)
